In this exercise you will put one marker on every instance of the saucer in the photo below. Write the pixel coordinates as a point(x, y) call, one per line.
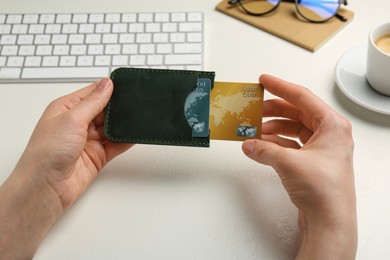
point(351, 79)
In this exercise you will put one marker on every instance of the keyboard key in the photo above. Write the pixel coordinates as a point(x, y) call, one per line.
point(126, 38)
point(130, 49)
point(183, 59)
point(50, 61)
point(10, 73)
point(155, 60)
point(86, 28)
point(137, 60)
point(76, 39)
point(67, 61)
point(96, 18)
point(19, 29)
point(27, 50)
point(5, 29)
point(36, 29)
point(110, 38)
point(80, 18)
point(161, 17)
point(119, 28)
point(169, 27)
point(93, 38)
point(136, 28)
point(178, 17)
point(47, 18)
point(190, 27)
point(103, 60)
point(59, 39)
point(61, 49)
point(44, 50)
point(30, 19)
point(2, 18)
point(145, 18)
point(61, 73)
point(64, 18)
point(177, 37)
point(129, 18)
point(113, 49)
point(33, 61)
point(194, 17)
point(113, 18)
point(160, 37)
point(143, 38)
point(15, 61)
point(194, 37)
point(9, 50)
point(42, 39)
point(103, 28)
point(25, 39)
point(96, 49)
point(85, 60)
point(164, 48)
point(146, 48)
point(53, 28)
point(8, 39)
point(153, 27)
point(188, 48)
point(14, 19)
point(120, 60)
point(78, 49)
point(70, 28)
point(3, 61)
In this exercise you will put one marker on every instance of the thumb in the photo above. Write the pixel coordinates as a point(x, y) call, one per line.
point(262, 151)
point(96, 101)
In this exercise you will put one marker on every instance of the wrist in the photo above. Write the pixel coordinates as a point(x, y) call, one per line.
point(330, 237)
point(28, 209)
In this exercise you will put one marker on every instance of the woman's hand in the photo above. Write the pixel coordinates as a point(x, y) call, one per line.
point(65, 153)
point(316, 171)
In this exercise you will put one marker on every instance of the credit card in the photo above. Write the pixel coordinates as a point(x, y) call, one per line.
point(197, 108)
point(236, 111)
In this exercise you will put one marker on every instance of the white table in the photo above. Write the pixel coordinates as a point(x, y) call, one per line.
point(159, 202)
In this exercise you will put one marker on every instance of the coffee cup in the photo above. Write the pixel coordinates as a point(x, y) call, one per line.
point(378, 58)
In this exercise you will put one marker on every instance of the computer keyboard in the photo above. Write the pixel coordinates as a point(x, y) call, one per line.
point(85, 47)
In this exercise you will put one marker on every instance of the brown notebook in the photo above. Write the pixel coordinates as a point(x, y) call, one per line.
point(285, 23)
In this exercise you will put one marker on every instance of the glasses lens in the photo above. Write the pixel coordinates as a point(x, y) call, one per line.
point(259, 7)
point(317, 10)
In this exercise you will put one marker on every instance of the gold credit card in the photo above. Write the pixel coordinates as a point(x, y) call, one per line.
point(236, 111)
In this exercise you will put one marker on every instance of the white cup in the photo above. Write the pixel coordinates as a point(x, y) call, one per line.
point(378, 58)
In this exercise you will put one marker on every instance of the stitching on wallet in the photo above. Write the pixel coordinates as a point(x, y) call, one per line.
point(162, 71)
point(147, 140)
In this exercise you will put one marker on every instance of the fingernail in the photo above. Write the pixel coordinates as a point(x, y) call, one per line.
point(248, 146)
point(103, 84)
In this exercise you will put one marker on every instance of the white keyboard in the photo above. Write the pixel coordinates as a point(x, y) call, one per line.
point(86, 47)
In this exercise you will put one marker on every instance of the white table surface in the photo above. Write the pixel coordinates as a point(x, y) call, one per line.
point(159, 202)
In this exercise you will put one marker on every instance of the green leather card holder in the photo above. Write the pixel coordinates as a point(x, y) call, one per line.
point(147, 106)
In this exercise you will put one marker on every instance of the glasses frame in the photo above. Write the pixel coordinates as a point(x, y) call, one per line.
point(336, 14)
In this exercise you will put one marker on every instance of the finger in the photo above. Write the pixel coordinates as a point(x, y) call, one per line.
point(114, 149)
point(312, 107)
point(280, 108)
point(263, 152)
point(94, 103)
point(296, 95)
point(284, 142)
point(289, 128)
point(100, 118)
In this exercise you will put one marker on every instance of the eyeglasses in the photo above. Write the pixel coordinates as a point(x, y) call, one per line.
point(316, 11)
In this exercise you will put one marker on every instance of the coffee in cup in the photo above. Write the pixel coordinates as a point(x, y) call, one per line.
point(383, 43)
point(378, 59)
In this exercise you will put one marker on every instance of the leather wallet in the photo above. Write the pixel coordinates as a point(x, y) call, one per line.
point(147, 106)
